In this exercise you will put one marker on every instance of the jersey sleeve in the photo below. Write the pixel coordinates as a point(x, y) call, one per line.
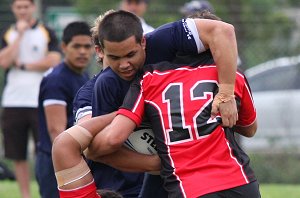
point(133, 104)
point(247, 111)
point(170, 39)
point(88, 191)
point(53, 91)
point(82, 103)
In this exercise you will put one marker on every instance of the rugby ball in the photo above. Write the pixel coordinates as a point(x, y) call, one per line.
point(142, 141)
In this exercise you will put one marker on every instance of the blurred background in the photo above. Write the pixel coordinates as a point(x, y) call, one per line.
point(268, 35)
point(266, 29)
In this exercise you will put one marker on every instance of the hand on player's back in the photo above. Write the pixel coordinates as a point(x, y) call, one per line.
point(228, 111)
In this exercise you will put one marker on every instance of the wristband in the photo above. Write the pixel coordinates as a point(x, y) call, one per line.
point(22, 67)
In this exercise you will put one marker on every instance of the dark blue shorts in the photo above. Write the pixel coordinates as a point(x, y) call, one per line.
point(45, 176)
point(250, 190)
point(153, 187)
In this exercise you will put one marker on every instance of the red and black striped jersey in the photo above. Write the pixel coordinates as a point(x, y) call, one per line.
point(198, 155)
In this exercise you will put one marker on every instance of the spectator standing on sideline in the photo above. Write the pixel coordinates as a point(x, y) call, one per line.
point(57, 91)
point(139, 8)
point(28, 49)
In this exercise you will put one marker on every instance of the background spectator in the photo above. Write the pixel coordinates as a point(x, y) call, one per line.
point(57, 92)
point(28, 49)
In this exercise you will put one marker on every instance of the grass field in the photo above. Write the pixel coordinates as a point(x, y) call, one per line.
point(9, 189)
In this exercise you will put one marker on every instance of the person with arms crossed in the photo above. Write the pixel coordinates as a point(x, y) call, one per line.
point(29, 48)
point(57, 92)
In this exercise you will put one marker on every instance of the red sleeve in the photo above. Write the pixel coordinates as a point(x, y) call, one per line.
point(247, 111)
point(133, 104)
point(88, 191)
point(135, 118)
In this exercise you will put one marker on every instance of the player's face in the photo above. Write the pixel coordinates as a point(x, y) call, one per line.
point(23, 9)
point(125, 58)
point(78, 52)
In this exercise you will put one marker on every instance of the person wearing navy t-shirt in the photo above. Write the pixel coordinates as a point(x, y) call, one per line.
point(57, 91)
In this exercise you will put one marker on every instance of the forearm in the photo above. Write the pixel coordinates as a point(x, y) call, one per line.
point(56, 119)
point(97, 124)
point(8, 55)
point(131, 161)
point(51, 60)
point(112, 137)
point(101, 146)
point(247, 131)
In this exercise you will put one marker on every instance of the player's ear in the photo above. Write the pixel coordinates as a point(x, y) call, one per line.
point(143, 42)
point(63, 47)
point(99, 51)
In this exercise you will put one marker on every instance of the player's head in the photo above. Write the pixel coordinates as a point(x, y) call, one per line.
point(205, 14)
point(77, 45)
point(193, 6)
point(138, 7)
point(23, 9)
point(121, 43)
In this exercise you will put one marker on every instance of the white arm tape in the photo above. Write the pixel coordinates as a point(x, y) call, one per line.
point(81, 135)
point(73, 174)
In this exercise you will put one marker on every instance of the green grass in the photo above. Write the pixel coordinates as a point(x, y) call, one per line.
point(9, 189)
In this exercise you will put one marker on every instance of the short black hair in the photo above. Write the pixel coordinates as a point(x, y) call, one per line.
point(118, 26)
point(75, 28)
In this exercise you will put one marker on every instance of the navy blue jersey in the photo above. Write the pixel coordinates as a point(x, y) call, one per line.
point(59, 86)
point(163, 44)
point(82, 105)
point(109, 92)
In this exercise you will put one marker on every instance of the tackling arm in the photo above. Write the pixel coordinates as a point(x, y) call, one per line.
point(247, 131)
point(68, 144)
point(220, 38)
point(123, 160)
point(112, 137)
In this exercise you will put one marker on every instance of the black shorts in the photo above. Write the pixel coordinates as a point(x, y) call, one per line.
point(250, 190)
point(17, 123)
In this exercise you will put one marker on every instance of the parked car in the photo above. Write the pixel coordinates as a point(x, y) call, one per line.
point(275, 87)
